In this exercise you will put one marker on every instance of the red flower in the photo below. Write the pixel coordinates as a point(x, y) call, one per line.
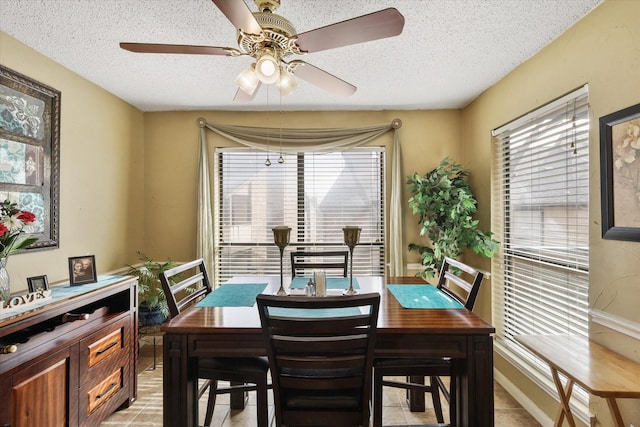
point(26, 217)
point(3, 230)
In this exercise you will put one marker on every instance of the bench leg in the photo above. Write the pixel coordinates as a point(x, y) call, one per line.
point(564, 394)
point(615, 411)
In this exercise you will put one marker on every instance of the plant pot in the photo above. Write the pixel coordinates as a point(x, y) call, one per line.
point(148, 317)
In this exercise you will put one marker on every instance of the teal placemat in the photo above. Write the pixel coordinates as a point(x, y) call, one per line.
point(233, 295)
point(332, 283)
point(325, 312)
point(422, 296)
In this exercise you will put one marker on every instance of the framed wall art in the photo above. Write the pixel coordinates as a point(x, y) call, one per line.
point(30, 152)
point(82, 270)
point(620, 174)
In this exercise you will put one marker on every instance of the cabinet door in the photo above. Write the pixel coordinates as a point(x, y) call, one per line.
point(40, 392)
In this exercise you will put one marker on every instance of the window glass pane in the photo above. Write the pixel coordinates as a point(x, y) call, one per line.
point(316, 194)
point(541, 189)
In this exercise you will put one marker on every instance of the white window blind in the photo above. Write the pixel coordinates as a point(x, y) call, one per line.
point(316, 194)
point(541, 188)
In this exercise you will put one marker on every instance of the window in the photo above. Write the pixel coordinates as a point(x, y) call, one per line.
point(541, 212)
point(316, 194)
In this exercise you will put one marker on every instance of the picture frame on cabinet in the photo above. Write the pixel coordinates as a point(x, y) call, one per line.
point(620, 174)
point(38, 283)
point(82, 270)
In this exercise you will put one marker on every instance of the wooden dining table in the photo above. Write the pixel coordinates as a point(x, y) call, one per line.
point(402, 332)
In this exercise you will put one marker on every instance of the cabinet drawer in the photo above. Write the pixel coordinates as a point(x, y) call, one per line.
point(105, 347)
point(101, 393)
point(101, 350)
point(104, 394)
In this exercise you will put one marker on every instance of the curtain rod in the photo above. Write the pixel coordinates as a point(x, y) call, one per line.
point(395, 123)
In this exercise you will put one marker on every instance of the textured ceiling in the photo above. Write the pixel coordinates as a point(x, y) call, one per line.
point(449, 52)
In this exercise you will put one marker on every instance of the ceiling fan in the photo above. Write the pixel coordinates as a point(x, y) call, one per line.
point(270, 39)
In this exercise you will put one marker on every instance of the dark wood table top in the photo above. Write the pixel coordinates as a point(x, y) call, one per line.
point(393, 318)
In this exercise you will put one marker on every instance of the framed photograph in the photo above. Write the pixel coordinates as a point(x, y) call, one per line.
point(30, 152)
point(82, 270)
point(620, 174)
point(38, 283)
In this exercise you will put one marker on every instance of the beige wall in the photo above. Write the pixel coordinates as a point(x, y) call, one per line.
point(602, 50)
point(102, 172)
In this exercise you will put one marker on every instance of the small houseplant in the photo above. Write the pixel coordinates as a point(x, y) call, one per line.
point(152, 303)
point(445, 206)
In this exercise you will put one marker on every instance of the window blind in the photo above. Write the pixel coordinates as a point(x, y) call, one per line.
point(316, 194)
point(541, 211)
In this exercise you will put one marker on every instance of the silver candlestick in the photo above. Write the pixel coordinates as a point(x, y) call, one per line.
point(281, 239)
point(351, 239)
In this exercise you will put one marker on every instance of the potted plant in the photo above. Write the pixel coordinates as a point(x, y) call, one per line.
point(445, 206)
point(152, 303)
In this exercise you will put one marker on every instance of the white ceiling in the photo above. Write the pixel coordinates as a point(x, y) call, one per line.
point(449, 52)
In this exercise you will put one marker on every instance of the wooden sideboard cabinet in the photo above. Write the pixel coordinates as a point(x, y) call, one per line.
point(75, 355)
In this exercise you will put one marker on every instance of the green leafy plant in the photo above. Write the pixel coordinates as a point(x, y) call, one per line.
point(150, 293)
point(445, 206)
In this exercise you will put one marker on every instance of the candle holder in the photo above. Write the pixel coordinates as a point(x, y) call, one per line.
point(351, 239)
point(281, 239)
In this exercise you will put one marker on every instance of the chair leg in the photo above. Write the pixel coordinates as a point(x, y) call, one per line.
point(435, 398)
point(262, 403)
point(211, 403)
point(377, 399)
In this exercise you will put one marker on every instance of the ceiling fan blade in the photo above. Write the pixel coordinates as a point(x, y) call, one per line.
point(377, 25)
point(174, 48)
point(239, 14)
point(242, 96)
point(322, 79)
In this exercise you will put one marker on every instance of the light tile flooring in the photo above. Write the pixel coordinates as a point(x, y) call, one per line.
point(147, 410)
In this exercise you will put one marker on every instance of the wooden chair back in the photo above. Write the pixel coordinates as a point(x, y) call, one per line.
point(304, 262)
point(461, 282)
point(320, 354)
point(184, 285)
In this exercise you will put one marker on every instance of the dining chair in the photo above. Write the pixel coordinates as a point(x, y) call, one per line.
point(320, 353)
point(185, 285)
point(304, 262)
point(462, 283)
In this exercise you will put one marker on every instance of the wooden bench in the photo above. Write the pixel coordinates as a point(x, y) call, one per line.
point(595, 368)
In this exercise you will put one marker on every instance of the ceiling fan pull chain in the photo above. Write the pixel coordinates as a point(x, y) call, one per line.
point(268, 162)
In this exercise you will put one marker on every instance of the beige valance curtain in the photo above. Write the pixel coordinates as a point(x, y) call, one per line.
point(295, 141)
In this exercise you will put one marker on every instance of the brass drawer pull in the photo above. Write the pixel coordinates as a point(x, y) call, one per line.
point(104, 393)
point(11, 348)
point(102, 350)
point(72, 317)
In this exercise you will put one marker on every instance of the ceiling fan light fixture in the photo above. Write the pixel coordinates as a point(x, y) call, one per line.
point(267, 68)
point(247, 80)
point(286, 83)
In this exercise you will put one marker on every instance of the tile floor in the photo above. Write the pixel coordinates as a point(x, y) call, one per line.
point(147, 410)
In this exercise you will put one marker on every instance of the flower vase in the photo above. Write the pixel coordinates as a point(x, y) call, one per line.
point(5, 289)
